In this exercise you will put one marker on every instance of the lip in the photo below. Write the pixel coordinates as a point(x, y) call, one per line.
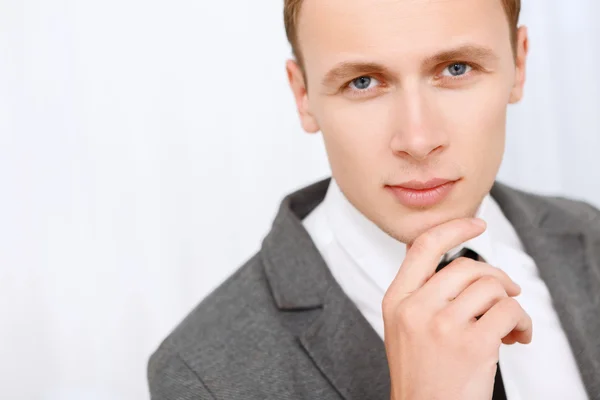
point(417, 194)
point(430, 184)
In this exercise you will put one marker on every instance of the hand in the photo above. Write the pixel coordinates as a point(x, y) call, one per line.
point(436, 344)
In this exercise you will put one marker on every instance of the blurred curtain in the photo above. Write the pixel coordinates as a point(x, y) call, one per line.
point(554, 134)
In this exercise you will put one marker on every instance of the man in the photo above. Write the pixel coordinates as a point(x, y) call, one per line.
point(343, 301)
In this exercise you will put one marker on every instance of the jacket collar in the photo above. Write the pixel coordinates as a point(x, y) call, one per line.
point(341, 343)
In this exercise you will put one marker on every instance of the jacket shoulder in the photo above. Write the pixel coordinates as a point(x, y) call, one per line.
point(563, 212)
point(230, 307)
point(170, 378)
point(579, 211)
point(239, 344)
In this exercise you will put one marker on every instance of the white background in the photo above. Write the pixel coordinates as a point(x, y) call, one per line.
point(145, 146)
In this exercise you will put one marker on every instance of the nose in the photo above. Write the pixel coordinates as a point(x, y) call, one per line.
point(418, 131)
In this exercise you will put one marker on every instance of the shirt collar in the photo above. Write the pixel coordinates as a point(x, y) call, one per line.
point(481, 244)
point(377, 254)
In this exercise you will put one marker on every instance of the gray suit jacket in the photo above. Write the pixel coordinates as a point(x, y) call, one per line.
point(282, 328)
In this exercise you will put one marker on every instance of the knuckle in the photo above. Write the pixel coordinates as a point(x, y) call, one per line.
point(493, 286)
point(501, 274)
point(403, 313)
point(461, 265)
point(442, 325)
point(488, 269)
point(511, 308)
point(510, 304)
point(489, 281)
point(387, 306)
point(406, 314)
point(426, 241)
point(419, 246)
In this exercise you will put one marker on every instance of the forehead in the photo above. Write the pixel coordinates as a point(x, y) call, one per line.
point(330, 31)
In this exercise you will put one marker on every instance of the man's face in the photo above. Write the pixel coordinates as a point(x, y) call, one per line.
point(419, 90)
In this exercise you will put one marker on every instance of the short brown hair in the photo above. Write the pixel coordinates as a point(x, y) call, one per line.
point(291, 11)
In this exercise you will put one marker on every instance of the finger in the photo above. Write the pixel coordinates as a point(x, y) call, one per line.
point(514, 337)
point(505, 317)
point(460, 274)
point(476, 299)
point(423, 255)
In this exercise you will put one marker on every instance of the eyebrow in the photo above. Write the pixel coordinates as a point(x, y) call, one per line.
point(468, 52)
point(346, 69)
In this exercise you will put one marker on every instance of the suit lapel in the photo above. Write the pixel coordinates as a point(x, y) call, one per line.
point(566, 249)
point(347, 350)
point(332, 331)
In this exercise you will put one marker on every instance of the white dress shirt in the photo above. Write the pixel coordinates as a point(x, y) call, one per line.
point(364, 260)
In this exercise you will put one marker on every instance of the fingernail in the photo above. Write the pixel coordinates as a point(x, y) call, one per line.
point(479, 222)
point(518, 286)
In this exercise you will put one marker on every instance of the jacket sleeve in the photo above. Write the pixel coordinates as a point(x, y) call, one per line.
point(170, 378)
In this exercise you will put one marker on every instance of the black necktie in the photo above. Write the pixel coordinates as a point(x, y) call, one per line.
point(499, 393)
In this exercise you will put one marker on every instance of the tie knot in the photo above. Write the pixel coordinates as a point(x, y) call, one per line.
point(464, 252)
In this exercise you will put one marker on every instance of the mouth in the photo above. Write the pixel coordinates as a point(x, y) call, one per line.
point(420, 194)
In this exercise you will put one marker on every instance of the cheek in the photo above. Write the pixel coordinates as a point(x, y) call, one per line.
point(477, 122)
point(355, 133)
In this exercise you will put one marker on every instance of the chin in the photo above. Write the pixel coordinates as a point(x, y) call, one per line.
point(412, 225)
point(408, 233)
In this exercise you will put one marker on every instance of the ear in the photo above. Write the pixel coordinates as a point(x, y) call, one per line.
point(298, 86)
point(522, 49)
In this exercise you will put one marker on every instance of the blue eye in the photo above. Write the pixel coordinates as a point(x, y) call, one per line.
point(362, 83)
point(458, 69)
